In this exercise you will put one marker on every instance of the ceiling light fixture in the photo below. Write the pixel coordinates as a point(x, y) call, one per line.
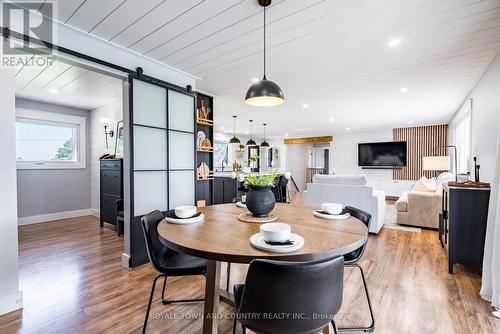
point(264, 93)
point(54, 91)
point(394, 42)
point(332, 120)
point(264, 143)
point(234, 140)
point(305, 106)
point(403, 89)
point(348, 129)
point(250, 141)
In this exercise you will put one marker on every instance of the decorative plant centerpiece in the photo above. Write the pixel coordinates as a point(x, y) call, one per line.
point(260, 199)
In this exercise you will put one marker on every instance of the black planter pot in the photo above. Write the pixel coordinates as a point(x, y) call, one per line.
point(260, 201)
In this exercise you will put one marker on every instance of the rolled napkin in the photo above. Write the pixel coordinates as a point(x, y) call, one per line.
point(280, 243)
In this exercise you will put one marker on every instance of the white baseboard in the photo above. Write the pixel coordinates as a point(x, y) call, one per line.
point(95, 213)
point(126, 260)
point(11, 302)
point(53, 216)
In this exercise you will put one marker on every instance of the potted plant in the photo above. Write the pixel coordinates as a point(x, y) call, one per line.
point(260, 199)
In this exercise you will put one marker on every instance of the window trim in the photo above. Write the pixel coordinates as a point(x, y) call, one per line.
point(457, 123)
point(61, 118)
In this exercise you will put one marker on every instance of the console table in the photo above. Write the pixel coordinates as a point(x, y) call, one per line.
point(462, 225)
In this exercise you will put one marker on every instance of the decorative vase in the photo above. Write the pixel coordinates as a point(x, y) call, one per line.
point(260, 201)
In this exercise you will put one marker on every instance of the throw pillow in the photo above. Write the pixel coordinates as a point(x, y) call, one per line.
point(425, 185)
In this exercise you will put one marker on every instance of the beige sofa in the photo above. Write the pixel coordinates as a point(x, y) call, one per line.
point(422, 205)
point(418, 208)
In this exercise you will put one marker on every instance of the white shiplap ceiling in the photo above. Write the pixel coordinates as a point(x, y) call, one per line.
point(68, 84)
point(329, 54)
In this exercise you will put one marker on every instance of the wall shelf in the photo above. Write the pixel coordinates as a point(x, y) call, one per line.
point(204, 154)
point(205, 121)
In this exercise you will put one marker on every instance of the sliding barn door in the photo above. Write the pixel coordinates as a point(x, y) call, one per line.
point(162, 171)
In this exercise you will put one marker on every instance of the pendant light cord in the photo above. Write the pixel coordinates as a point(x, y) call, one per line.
point(234, 126)
point(265, 44)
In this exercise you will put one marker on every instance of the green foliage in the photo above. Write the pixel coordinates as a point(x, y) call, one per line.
point(254, 157)
point(260, 180)
point(65, 152)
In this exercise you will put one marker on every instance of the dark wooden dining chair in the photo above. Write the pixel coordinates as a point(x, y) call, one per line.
point(351, 260)
point(298, 289)
point(167, 261)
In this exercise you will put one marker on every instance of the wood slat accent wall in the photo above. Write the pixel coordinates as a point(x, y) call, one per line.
point(421, 142)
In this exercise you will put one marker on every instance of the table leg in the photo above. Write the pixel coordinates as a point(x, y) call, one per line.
point(211, 310)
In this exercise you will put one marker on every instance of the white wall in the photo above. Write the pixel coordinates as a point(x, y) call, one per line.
point(344, 153)
point(49, 194)
point(114, 113)
point(296, 163)
point(485, 120)
point(10, 296)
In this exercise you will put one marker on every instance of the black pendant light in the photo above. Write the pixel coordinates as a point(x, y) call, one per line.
point(251, 142)
point(264, 93)
point(234, 140)
point(264, 143)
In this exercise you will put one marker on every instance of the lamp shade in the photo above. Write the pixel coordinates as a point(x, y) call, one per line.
point(251, 142)
point(264, 93)
point(234, 140)
point(439, 163)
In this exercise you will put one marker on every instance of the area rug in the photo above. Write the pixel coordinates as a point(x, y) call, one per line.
point(390, 220)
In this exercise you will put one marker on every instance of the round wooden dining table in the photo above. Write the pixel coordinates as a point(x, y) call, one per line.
point(221, 237)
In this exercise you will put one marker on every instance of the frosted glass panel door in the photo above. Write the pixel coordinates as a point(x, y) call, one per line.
point(181, 149)
point(150, 142)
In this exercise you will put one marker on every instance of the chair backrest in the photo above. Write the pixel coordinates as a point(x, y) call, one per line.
point(297, 289)
point(156, 250)
point(366, 218)
point(283, 181)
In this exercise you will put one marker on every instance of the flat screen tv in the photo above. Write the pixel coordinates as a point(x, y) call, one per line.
point(385, 154)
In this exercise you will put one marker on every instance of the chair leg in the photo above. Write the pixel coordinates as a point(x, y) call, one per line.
point(234, 324)
point(370, 328)
point(149, 304)
point(335, 329)
point(165, 301)
point(228, 276)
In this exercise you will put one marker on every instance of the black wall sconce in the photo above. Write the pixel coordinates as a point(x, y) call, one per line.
point(110, 133)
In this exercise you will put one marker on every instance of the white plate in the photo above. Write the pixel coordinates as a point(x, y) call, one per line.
point(185, 221)
point(334, 217)
point(257, 241)
point(241, 205)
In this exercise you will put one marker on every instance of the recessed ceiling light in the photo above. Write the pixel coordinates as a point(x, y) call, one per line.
point(403, 89)
point(305, 106)
point(54, 91)
point(348, 128)
point(254, 80)
point(394, 42)
point(332, 119)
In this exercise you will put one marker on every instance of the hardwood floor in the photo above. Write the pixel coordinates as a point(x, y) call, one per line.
point(72, 281)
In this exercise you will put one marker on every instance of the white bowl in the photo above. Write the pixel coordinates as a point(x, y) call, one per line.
point(332, 208)
point(185, 211)
point(275, 232)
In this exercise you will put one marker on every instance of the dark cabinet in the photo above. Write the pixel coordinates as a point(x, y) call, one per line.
point(462, 226)
point(111, 179)
point(225, 189)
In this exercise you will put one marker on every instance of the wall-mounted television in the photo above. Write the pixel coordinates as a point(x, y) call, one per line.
point(382, 155)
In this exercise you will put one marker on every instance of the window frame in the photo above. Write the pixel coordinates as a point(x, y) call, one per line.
point(46, 116)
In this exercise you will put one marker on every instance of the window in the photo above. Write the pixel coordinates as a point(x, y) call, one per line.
point(46, 140)
point(461, 139)
point(220, 153)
